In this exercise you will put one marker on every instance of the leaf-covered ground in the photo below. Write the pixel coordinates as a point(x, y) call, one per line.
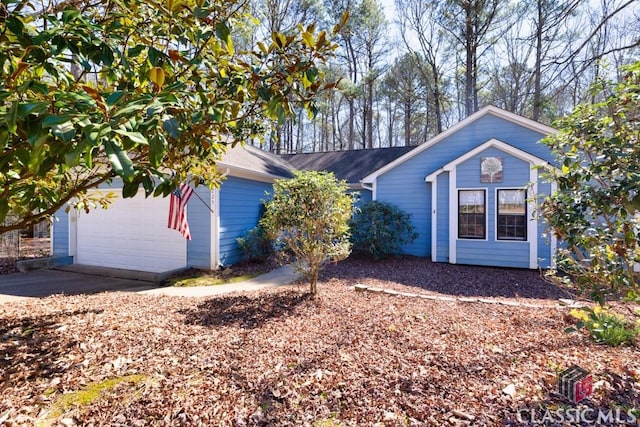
point(280, 358)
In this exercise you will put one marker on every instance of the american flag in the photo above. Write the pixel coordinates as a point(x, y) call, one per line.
point(178, 210)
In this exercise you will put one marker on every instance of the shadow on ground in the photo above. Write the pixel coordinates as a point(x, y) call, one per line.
point(247, 312)
point(32, 347)
point(450, 279)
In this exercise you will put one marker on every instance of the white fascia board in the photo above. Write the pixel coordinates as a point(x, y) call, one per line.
point(492, 143)
point(498, 112)
point(433, 176)
point(248, 173)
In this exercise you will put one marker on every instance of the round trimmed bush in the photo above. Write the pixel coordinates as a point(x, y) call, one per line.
point(380, 229)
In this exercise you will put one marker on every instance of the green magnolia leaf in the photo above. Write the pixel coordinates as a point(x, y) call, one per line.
point(135, 137)
point(157, 149)
point(95, 133)
point(72, 158)
point(70, 14)
point(148, 184)
point(128, 110)
point(106, 55)
point(53, 120)
point(120, 161)
point(115, 97)
point(172, 127)
point(31, 108)
point(130, 189)
point(37, 154)
point(222, 32)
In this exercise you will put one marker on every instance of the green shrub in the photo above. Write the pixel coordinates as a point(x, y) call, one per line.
point(380, 229)
point(605, 327)
point(255, 244)
point(309, 215)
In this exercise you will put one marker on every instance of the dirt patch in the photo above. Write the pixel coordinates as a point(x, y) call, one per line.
point(241, 271)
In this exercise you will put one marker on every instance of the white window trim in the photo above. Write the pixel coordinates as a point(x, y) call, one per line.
point(527, 204)
point(486, 213)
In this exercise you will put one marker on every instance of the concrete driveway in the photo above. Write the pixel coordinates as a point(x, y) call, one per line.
point(42, 283)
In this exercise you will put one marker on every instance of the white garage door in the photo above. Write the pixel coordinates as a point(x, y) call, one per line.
point(132, 234)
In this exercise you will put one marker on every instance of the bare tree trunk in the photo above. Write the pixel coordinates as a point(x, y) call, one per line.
point(537, 76)
point(469, 55)
point(369, 114)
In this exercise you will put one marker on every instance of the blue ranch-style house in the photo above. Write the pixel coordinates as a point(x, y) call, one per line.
point(470, 191)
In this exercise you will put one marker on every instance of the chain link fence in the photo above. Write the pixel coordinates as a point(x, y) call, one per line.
point(20, 244)
point(10, 243)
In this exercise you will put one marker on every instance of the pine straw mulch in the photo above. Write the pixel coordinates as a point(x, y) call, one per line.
point(280, 358)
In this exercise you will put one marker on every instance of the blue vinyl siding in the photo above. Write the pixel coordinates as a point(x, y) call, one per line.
point(60, 244)
point(516, 172)
point(200, 224)
point(442, 249)
point(240, 201)
point(363, 196)
point(511, 254)
point(407, 189)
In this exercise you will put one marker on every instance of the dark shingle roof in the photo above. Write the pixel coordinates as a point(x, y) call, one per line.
point(352, 165)
point(256, 160)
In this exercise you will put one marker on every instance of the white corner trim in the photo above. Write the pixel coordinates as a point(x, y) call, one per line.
point(72, 244)
point(498, 112)
point(553, 238)
point(214, 203)
point(434, 220)
point(453, 216)
point(532, 224)
point(374, 190)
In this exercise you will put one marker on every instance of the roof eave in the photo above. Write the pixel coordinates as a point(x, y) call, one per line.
point(247, 173)
point(528, 123)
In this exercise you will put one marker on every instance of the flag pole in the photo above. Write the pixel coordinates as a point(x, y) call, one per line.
point(195, 192)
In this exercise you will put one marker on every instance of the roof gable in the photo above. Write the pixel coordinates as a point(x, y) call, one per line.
point(489, 110)
point(492, 143)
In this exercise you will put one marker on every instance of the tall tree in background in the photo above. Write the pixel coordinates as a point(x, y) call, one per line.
point(418, 22)
point(470, 24)
point(403, 84)
point(370, 33)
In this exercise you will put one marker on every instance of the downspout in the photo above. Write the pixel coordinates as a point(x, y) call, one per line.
point(371, 187)
point(215, 223)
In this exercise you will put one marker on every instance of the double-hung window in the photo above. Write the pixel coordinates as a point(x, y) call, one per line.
point(512, 215)
point(472, 214)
